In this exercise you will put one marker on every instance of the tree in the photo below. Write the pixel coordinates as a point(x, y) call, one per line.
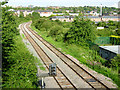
point(82, 30)
point(35, 15)
point(21, 15)
point(101, 24)
point(56, 32)
point(111, 23)
point(46, 24)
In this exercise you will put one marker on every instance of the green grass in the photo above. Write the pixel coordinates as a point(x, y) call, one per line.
point(83, 55)
point(23, 36)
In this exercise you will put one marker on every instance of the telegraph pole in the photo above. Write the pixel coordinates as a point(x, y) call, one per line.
point(101, 12)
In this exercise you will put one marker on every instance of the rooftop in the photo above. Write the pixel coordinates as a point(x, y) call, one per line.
point(63, 17)
point(42, 11)
point(114, 49)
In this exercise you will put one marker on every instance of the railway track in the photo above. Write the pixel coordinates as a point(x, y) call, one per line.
point(61, 79)
point(66, 82)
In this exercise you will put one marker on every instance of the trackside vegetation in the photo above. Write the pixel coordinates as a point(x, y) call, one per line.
point(77, 39)
point(18, 64)
point(74, 38)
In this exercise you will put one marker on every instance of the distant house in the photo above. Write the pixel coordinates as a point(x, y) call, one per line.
point(105, 14)
point(17, 12)
point(58, 13)
point(63, 18)
point(93, 13)
point(54, 7)
point(45, 13)
point(27, 12)
point(67, 11)
point(74, 14)
point(109, 52)
point(115, 14)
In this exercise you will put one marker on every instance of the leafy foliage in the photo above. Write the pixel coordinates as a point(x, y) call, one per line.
point(115, 62)
point(18, 67)
point(21, 73)
point(57, 32)
point(101, 24)
point(81, 31)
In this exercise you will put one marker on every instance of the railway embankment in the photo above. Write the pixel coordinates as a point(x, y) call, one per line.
point(107, 81)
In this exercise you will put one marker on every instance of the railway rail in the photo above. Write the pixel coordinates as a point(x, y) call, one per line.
point(61, 78)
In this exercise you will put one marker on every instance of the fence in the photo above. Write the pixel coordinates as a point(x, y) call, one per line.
point(102, 40)
point(114, 40)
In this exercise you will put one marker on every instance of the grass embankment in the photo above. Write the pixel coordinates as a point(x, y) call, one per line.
point(85, 56)
point(22, 73)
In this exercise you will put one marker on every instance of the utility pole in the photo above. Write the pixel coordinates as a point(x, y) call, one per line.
point(100, 12)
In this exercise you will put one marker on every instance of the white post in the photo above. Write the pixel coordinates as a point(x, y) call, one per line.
point(101, 10)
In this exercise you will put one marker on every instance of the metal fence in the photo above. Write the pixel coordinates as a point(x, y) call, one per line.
point(102, 40)
point(107, 40)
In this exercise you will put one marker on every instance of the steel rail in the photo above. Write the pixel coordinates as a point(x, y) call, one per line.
point(50, 60)
point(34, 33)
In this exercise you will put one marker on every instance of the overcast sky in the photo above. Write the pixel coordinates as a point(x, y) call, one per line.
point(109, 3)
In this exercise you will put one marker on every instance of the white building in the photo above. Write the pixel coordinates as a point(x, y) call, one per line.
point(45, 13)
point(17, 13)
point(27, 12)
point(94, 13)
point(74, 14)
point(63, 18)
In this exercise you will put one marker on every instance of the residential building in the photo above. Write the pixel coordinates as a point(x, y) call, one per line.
point(93, 13)
point(27, 12)
point(63, 18)
point(74, 14)
point(45, 13)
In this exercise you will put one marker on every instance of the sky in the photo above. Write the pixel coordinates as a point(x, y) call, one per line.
point(44, 3)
